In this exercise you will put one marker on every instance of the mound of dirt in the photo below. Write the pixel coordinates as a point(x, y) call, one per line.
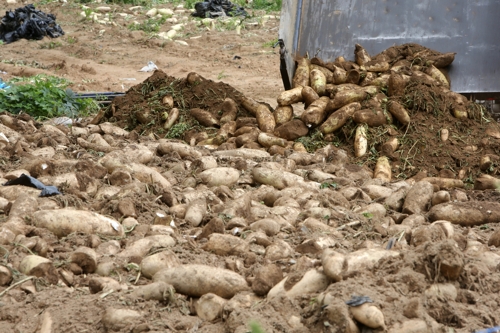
point(421, 148)
point(142, 110)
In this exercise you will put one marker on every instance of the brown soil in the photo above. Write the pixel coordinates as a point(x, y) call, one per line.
point(100, 58)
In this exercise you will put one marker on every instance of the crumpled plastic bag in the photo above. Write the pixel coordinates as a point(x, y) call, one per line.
point(26, 180)
point(358, 300)
point(151, 66)
point(3, 85)
point(29, 23)
point(217, 8)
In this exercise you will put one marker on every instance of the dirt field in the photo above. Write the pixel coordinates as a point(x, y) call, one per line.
point(264, 226)
point(101, 58)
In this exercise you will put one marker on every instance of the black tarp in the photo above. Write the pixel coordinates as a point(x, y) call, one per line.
point(26, 180)
point(218, 8)
point(29, 23)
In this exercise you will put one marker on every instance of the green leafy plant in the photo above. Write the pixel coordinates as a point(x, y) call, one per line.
point(71, 40)
point(221, 75)
point(177, 131)
point(44, 96)
point(44, 2)
point(313, 141)
point(88, 13)
point(50, 45)
point(150, 25)
point(268, 5)
point(190, 3)
point(368, 215)
point(271, 43)
point(256, 328)
point(328, 185)
point(225, 217)
point(147, 3)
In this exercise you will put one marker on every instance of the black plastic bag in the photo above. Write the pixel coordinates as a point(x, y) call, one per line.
point(217, 8)
point(26, 180)
point(30, 23)
point(358, 300)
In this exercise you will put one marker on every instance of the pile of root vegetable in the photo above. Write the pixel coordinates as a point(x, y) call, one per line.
point(153, 234)
point(394, 110)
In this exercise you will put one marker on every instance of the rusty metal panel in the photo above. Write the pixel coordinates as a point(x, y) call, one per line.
point(331, 28)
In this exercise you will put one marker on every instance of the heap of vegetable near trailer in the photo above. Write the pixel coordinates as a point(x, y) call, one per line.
point(393, 113)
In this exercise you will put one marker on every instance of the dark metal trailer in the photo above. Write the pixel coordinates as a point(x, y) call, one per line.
point(331, 28)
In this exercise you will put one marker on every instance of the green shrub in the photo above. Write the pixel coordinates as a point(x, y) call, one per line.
point(44, 96)
point(268, 5)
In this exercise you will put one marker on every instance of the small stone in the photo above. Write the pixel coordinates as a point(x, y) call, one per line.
point(291, 130)
point(119, 178)
point(126, 208)
point(309, 246)
point(216, 225)
point(413, 308)
point(209, 307)
point(5, 275)
point(494, 239)
point(266, 277)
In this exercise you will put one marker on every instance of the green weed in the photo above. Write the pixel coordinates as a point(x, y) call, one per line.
point(221, 75)
point(44, 96)
point(145, 3)
point(88, 13)
point(177, 131)
point(44, 2)
point(189, 4)
point(267, 5)
point(129, 2)
point(255, 327)
point(271, 43)
point(50, 45)
point(71, 40)
point(329, 185)
point(313, 141)
point(150, 25)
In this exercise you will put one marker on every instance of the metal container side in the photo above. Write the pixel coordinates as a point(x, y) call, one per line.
point(331, 28)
